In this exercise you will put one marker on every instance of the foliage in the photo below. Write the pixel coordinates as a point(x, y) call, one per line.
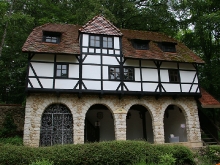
point(17, 141)
point(211, 152)
point(167, 159)
point(115, 152)
point(9, 127)
point(42, 162)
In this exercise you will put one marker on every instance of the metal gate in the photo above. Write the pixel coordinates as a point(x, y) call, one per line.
point(56, 126)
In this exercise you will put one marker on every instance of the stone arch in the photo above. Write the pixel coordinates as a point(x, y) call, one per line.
point(175, 123)
point(56, 125)
point(142, 117)
point(99, 123)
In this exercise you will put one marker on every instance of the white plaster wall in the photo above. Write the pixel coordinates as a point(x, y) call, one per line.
point(171, 87)
point(65, 84)
point(34, 82)
point(164, 76)
point(46, 83)
point(149, 74)
point(109, 60)
point(66, 58)
point(111, 85)
point(106, 124)
point(91, 71)
point(43, 69)
point(94, 85)
point(188, 76)
point(43, 57)
point(93, 59)
point(137, 74)
point(116, 43)
point(186, 66)
point(133, 86)
point(131, 63)
point(169, 65)
point(85, 40)
point(73, 71)
point(172, 125)
point(151, 87)
point(145, 63)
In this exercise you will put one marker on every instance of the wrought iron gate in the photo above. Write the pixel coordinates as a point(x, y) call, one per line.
point(56, 126)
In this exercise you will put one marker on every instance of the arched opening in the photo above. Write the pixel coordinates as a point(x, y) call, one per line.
point(56, 126)
point(139, 124)
point(99, 124)
point(174, 125)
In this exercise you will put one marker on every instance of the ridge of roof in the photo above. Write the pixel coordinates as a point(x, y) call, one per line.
point(100, 25)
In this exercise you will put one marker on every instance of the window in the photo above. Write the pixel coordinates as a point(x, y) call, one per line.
point(140, 44)
point(95, 41)
point(128, 73)
point(62, 70)
point(107, 42)
point(51, 37)
point(168, 47)
point(114, 73)
point(174, 75)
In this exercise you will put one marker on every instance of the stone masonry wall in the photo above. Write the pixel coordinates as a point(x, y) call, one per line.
point(17, 111)
point(36, 104)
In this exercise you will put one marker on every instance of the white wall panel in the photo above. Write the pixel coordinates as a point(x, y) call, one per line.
point(84, 50)
point(110, 85)
point(31, 73)
point(185, 87)
point(47, 83)
point(149, 74)
point(169, 65)
point(43, 69)
point(186, 66)
point(104, 51)
point(98, 50)
point(137, 74)
point(132, 86)
point(164, 76)
point(187, 76)
point(151, 87)
point(105, 72)
point(116, 43)
point(91, 50)
point(131, 63)
point(92, 59)
point(110, 60)
point(65, 84)
point(145, 63)
point(85, 40)
point(194, 87)
point(66, 58)
point(171, 87)
point(111, 52)
point(92, 85)
point(117, 52)
point(43, 57)
point(73, 71)
point(34, 82)
point(93, 72)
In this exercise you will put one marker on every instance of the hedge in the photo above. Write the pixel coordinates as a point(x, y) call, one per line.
point(111, 153)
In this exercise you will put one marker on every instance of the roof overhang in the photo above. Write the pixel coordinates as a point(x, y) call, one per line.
point(208, 101)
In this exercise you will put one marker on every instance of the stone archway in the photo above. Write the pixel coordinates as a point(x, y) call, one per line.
point(56, 125)
point(139, 123)
point(174, 125)
point(99, 124)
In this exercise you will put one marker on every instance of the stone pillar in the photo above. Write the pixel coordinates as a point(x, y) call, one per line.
point(120, 124)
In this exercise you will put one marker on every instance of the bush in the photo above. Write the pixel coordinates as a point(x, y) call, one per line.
point(212, 153)
point(42, 162)
point(9, 127)
point(18, 141)
point(114, 153)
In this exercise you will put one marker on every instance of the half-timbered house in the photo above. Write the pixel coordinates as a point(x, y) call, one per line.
point(97, 82)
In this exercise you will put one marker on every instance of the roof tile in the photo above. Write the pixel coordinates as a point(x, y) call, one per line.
point(208, 101)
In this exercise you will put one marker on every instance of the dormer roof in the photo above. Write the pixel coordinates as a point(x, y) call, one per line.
point(100, 25)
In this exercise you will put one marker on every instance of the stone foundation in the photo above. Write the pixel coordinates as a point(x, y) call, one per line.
point(36, 104)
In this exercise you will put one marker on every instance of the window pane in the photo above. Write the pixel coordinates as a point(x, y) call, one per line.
point(97, 44)
point(58, 72)
point(63, 66)
point(58, 66)
point(105, 44)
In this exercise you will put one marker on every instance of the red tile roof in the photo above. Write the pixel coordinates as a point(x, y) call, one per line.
point(69, 39)
point(208, 101)
point(100, 25)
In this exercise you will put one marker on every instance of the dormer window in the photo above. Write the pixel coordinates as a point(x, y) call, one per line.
point(140, 44)
point(95, 41)
point(168, 47)
point(51, 37)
